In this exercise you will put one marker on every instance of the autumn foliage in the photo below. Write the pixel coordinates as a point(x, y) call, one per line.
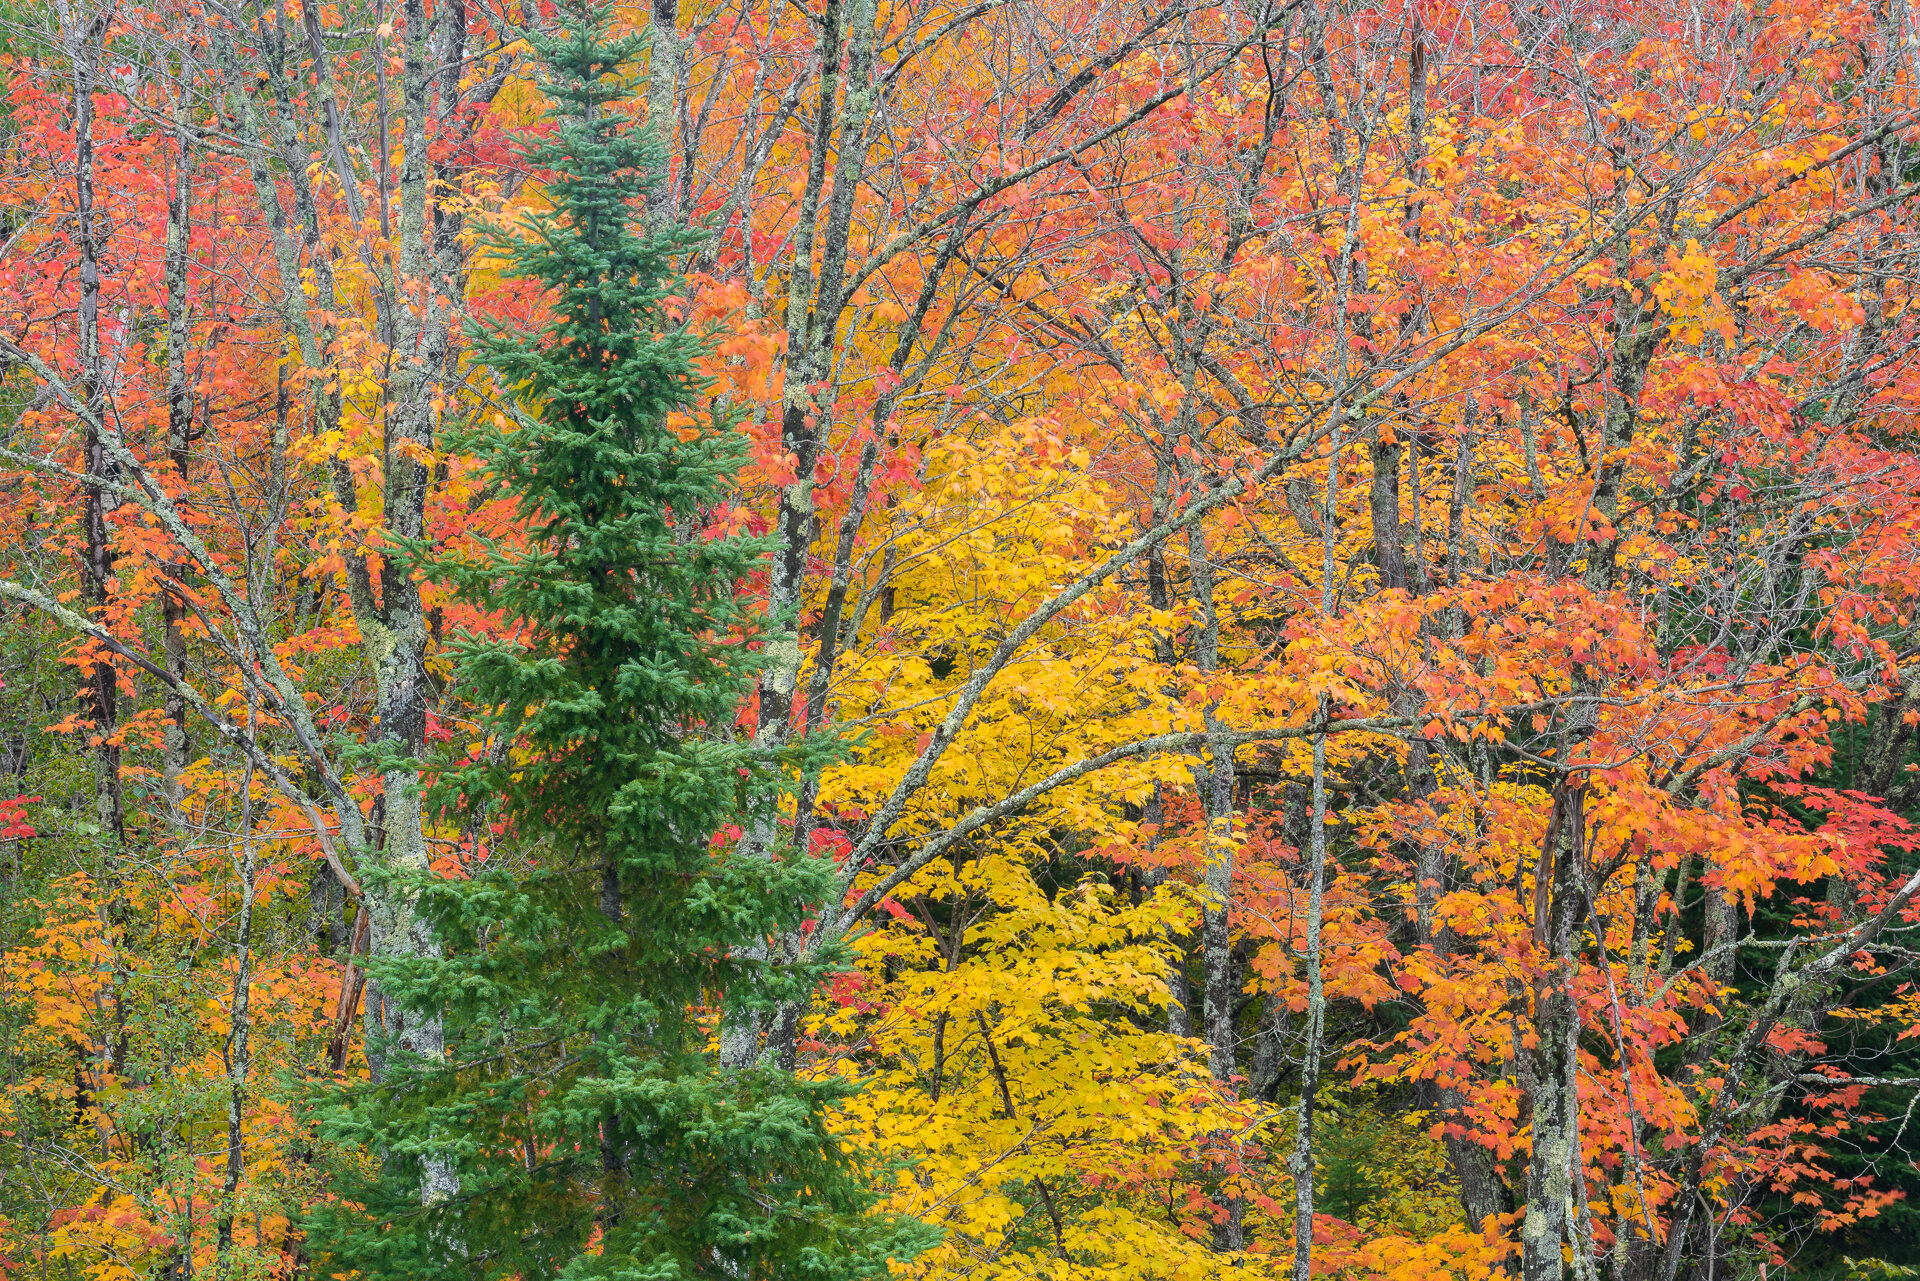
point(1341, 609)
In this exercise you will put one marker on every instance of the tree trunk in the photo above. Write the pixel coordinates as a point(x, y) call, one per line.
point(85, 34)
point(1560, 908)
point(1389, 539)
point(176, 744)
point(1302, 1162)
point(663, 106)
point(237, 1052)
point(814, 306)
point(397, 633)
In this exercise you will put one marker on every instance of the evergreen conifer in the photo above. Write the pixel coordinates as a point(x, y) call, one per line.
point(580, 1106)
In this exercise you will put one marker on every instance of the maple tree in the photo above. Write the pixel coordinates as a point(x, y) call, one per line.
point(1337, 622)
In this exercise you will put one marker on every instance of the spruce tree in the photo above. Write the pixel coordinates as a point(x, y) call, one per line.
point(592, 1132)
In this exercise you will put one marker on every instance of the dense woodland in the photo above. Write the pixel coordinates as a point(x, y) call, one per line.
point(1056, 639)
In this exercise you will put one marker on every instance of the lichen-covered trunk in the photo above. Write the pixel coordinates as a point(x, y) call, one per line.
point(176, 744)
point(1301, 1162)
point(1553, 1169)
point(1213, 780)
point(664, 72)
point(397, 635)
point(237, 1052)
point(85, 33)
point(814, 306)
point(1160, 596)
point(1555, 1115)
